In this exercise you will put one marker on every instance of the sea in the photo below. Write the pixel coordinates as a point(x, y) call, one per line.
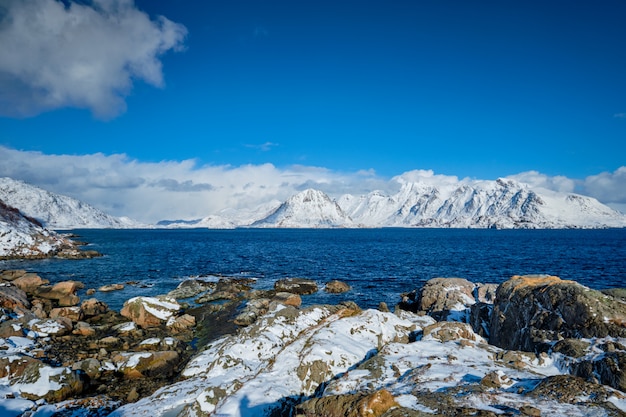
point(379, 264)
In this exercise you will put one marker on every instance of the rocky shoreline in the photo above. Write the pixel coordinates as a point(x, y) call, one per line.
point(534, 345)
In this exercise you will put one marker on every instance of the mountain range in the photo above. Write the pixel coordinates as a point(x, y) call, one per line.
point(55, 211)
point(503, 203)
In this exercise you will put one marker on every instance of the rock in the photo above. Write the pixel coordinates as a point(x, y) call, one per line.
point(57, 327)
point(93, 307)
point(446, 331)
point(445, 294)
point(83, 329)
point(299, 286)
point(40, 381)
point(288, 299)
point(150, 311)
point(111, 287)
point(486, 293)
point(348, 405)
point(495, 379)
point(574, 348)
point(336, 287)
point(72, 313)
point(609, 369)
point(29, 282)
point(253, 310)
point(382, 306)
point(181, 323)
point(90, 291)
point(12, 274)
point(480, 318)
point(64, 293)
point(569, 389)
point(190, 288)
point(15, 366)
point(12, 297)
point(89, 366)
point(146, 364)
point(39, 308)
point(10, 328)
point(532, 311)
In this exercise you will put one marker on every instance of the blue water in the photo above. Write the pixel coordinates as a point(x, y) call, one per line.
point(378, 263)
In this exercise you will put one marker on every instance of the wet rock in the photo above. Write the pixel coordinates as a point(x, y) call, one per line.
point(12, 297)
point(336, 287)
point(299, 286)
point(191, 288)
point(111, 287)
point(531, 311)
point(348, 405)
point(150, 311)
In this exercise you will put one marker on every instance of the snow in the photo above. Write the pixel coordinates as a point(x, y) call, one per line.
point(158, 307)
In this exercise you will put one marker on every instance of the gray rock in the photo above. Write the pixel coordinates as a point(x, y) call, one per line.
point(299, 286)
point(530, 312)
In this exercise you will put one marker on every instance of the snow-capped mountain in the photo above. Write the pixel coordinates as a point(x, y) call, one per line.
point(209, 222)
point(56, 211)
point(309, 208)
point(24, 238)
point(503, 203)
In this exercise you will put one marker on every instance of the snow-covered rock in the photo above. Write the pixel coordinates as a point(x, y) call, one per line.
point(21, 237)
point(55, 211)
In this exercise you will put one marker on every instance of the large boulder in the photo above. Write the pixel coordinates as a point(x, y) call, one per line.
point(29, 282)
point(63, 293)
point(150, 311)
point(532, 312)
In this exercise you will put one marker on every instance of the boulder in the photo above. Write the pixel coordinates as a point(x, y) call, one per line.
point(40, 381)
point(445, 294)
point(146, 364)
point(447, 331)
point(150, 311)
point(532, 312)
point(348, 405)
point(288, 299)
point(92, 307)
point(190, 288)
point(12, 297)
point(64, 293)
point(336, 287)
point(72, 313)
point(299, 286)
point(29, 282)
point(608, 369)
point(89, 366)
point(12, 274)
point(83, 329)
point(57, 327)
point(570, 389)
point(181, 323)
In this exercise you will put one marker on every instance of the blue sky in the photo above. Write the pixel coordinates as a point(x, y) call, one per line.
point(470, 89)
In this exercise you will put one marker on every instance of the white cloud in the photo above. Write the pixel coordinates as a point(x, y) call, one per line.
point(608, 187)
point(150, 192)
point(537, 179)
point(84, 56)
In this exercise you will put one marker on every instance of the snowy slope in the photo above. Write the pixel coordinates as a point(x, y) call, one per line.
point(56, 211)
point(22, 237)
point(309, 208)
